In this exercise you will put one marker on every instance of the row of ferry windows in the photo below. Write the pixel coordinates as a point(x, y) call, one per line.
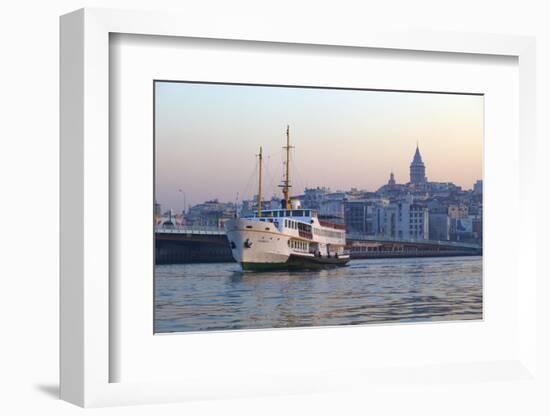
point(291, 224)
point(318, 231)
point(328, 233)
point(299, 245)
point(287, 213)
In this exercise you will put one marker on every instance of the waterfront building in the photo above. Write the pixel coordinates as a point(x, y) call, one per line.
point(463, 229)
point(458, 211)
point(418, 222)
point(417, 169)
point(313, 197)
point(248, 207)
point(478, 187)
point(402, 220)
point(356, 194)
point(475, 207)
point(210, 213)
point(437, 206)
point(274, 202)
point(358, 216)
point(332, 206)
point(442, 188)
point(477, 227)
point(439, 226)
point(392, 189)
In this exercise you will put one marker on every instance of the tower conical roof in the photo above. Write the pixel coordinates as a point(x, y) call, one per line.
point(417, 160)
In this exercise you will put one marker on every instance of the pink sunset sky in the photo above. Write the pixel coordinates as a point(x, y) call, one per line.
point(207, 137)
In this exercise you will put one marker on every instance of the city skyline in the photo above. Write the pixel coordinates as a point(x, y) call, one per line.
point(207, 137)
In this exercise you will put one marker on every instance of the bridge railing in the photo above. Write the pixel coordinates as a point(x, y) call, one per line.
point(195, 229)
point(362, 237)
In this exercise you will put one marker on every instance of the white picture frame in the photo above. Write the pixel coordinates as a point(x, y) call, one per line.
point(85, 212)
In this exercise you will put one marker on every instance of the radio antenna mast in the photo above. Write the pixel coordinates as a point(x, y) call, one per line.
point(286, 181)
point(260, 184)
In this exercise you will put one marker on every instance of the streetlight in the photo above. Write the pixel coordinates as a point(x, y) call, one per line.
point(183, 193)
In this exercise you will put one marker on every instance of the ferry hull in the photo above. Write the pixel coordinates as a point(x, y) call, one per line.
point(295, 262)
point(259, 246)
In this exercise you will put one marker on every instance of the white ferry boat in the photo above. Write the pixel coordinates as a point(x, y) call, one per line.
point(288, 238)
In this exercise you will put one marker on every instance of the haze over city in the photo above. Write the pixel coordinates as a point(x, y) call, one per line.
point(207, 137)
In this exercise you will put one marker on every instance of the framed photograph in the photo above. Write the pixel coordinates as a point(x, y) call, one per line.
point(270, 214)
point(260, 248)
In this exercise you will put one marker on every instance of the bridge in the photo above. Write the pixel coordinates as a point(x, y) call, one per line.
point(187, 244)
point(184, 244)
point(368, 246)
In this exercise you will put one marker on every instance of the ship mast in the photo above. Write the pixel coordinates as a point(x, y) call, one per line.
point(260, 184)
point(286, 182)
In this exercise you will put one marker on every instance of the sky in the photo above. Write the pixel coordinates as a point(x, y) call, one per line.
point(207, 137)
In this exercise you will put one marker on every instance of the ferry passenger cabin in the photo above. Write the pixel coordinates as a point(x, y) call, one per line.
point(305, 221)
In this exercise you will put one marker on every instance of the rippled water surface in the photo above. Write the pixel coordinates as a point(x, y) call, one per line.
point(219, 296)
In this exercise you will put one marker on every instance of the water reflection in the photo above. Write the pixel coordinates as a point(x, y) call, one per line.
point(221, 296)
